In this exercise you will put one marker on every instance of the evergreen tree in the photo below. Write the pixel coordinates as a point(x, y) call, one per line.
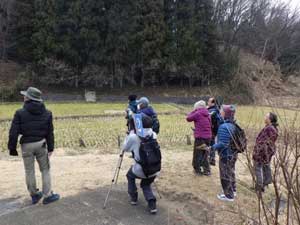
point(22, 29)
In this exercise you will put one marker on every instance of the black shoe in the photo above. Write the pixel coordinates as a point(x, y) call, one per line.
point(212, 162)
point(134, 199)
point(259, 189)
point(198, 172)
point(36, 198)
point(52, 198)
point(152, 206)
point(207, 174)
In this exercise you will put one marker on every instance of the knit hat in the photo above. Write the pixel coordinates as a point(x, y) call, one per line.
point(144, 101)
point(200, 104)
point(229, 111)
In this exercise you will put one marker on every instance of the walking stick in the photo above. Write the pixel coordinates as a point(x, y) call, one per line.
point(115, 177)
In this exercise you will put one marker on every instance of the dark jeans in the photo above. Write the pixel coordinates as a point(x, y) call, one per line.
point(145, 185)
point(212, 155)
point(201, 157)
point(263, 174)
point(227, 175)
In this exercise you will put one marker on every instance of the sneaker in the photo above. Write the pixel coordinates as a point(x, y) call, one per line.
point(222, 197)
point(52, 198)
point(152, 206)
point(36, 198)
point(134, 199)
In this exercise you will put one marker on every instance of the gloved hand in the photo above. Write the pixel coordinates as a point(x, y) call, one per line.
point(13, 152)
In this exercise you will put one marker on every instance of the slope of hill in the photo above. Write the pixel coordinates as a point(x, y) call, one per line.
point(255, 81)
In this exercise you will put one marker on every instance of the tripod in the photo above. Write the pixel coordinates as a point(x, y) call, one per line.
point(115, 178)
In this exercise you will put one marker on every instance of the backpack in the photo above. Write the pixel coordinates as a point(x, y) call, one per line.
point(155, 124)
point(238, 142)
point(150, 156)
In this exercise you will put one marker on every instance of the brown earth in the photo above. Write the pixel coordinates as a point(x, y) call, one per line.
point(82, 181)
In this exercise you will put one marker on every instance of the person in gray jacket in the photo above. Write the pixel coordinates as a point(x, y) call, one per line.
point(132, 144)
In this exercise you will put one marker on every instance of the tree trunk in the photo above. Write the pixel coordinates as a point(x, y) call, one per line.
point(76, 81)
point(190, 82)
point(112, 76)
point(142, 77)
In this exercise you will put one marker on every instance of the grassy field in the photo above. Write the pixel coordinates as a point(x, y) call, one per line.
point(105, 133)
point(73, 109)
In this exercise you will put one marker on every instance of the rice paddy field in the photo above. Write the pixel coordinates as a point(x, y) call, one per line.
point(106, 127)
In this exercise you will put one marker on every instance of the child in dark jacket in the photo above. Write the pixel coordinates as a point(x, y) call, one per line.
point(131, 109)
point(264, 150)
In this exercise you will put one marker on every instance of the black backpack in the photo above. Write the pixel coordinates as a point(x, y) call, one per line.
point(155, 124)
point(150, 156)
point(238, 142)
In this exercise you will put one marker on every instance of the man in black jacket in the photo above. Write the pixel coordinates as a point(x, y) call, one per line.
point(34, 123)
point(215, 123)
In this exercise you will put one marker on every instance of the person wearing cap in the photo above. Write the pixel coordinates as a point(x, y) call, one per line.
point(145, 108)
point(132, 144)
point(34, 123)
point(202, 135)
point(227, 158)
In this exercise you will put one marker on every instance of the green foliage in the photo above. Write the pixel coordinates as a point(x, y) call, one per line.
point(23, 29)
point(119, 42)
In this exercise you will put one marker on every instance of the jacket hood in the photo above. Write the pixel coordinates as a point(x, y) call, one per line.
point(203, 111)
point(35, 108)
point(148, 111)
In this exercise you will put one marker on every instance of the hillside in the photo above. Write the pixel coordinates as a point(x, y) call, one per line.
point(255, 81)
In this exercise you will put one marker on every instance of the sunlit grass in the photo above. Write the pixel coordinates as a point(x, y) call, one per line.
point(71, 109)
point(103, 133)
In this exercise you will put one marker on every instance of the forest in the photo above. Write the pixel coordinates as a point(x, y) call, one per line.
point(123, 43)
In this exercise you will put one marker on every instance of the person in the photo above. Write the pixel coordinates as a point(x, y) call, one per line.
point(264, 150)
point(131, 109)
point(215, 123)
point(202, 135)
point(227, 158)
point(132, 144)
point(145, 108)
point(34, 123)
point(132, 103)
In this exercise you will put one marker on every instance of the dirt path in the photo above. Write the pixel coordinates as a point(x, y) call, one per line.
point(82, 181)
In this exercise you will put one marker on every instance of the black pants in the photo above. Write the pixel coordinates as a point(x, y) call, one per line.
point(145, 185)
point(212, 157)
point(227, 175)
point(201, 156)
